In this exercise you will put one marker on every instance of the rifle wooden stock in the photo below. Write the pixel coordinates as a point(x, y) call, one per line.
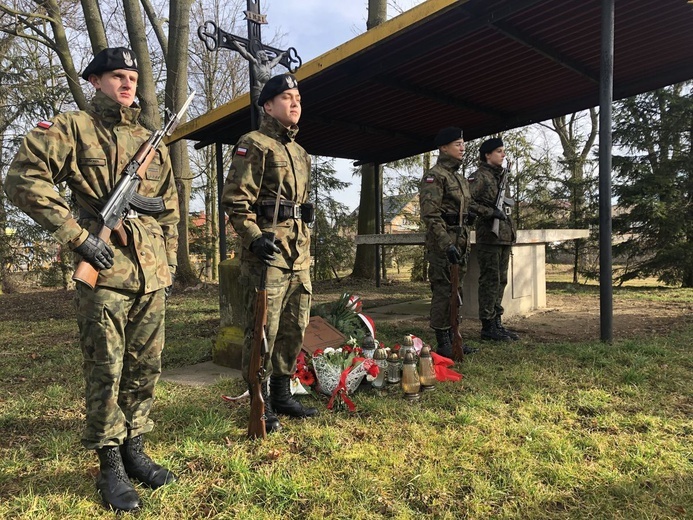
point(256, 422)
point(457, 350)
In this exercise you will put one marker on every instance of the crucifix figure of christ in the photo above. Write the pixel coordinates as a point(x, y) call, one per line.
point(261, 58)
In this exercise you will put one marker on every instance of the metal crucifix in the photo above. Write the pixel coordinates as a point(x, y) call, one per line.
point(261, 58)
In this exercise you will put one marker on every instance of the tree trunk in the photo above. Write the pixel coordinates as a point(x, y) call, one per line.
point(157, 25)
point(576, 148)
point(176, 94)
point(95, 28)
point(146, 88)
point(62, 49)
point(364, 262)
point(377, 13)
point(687, 279)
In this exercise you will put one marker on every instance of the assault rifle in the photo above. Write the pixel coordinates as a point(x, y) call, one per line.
point(455, 300)
point(124, 196)
point(258, 349)
point(457, 350)
point(501, 199)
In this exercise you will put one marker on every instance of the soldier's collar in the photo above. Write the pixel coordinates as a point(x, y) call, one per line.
point(449, 162)
point(112, 111)
point(275, 129)
point(494, 169)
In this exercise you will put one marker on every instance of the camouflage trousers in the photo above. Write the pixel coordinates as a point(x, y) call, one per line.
point(439, 277)
point(288, 311)
point(493, 277)
point(122, 336)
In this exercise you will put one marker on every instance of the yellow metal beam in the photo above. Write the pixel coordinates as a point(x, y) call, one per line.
point(409, 18)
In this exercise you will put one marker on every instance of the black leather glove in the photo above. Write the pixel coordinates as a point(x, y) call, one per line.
point(500, 215)
point(264, 248)
point(454, 255)
point(95, 251)
point(168, 290)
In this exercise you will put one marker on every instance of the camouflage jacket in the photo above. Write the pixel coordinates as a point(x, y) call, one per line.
point(444, 192)
point(88, 150)
point(483, 184)
point(266, 162)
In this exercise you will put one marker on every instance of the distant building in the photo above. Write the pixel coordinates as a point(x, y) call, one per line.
point(401, 213)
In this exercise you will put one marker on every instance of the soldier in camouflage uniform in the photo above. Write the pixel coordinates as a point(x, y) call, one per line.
point(268, 163)
point(447, 211)
point(493, 251)
point(121, 321)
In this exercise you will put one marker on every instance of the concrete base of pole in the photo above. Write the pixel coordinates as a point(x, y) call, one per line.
point(228, 347)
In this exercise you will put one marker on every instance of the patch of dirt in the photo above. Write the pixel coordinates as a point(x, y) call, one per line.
point(575, 318)
point(37, 305)
point(567, 317)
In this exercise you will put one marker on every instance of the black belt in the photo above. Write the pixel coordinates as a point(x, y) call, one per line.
point(287, 209)
point(451, 219)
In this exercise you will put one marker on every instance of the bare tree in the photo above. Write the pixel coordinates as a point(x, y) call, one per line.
point(44, 22)
point(364, 263)
point(577, 140)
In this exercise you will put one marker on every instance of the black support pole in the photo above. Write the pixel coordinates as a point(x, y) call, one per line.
point(378, 228)
point(606, 84)
point(221, 212)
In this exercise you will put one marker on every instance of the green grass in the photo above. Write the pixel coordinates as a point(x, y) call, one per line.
point(533, 431)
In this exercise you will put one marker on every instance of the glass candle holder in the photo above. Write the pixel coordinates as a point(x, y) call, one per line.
point(380, 358)
point(427, 373)
point(411, 385)
point(368, 346)
point(393, 369)
point(407, 345)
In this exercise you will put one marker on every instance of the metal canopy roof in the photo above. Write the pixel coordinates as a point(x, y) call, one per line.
point(484, 65)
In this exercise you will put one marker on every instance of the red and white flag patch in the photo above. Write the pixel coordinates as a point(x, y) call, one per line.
point(429, 179)
point(44, 124)
point(241, 151)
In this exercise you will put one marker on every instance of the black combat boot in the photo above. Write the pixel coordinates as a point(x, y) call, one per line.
point(490, 332)
point(113, 484)
point(499, 325)
point(282, 400)
point(272, 423)
point(466, 349)
point(138, 465)
point(444, 339)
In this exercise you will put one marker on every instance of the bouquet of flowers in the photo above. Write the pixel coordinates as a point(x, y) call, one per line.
point(340, 372)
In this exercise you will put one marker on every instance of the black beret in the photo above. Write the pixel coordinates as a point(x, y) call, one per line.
point(111, 59)
point(448, 135)
point(489, 145)
point(275, 86)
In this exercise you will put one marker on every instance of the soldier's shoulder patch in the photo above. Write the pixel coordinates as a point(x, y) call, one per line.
point(242, 151)
point(429, 179)
point(471, 179)
point(44, 124)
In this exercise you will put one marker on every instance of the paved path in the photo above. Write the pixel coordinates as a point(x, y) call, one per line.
point(202, 374)
point(400, 311)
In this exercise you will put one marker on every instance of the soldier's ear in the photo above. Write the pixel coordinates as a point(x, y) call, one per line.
point(95, 81)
